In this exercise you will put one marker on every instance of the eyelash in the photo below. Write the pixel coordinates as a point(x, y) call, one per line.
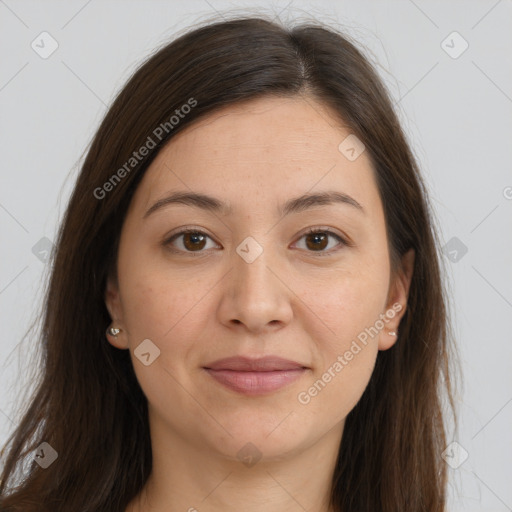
point(341, 240)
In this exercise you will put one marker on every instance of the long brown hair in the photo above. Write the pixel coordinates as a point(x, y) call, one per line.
point(88, 404)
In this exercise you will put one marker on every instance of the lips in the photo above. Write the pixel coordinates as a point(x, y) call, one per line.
point(262, 364)
point(255, 376)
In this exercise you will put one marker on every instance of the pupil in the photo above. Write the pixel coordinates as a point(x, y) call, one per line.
point(195, 239)
point(318, 237)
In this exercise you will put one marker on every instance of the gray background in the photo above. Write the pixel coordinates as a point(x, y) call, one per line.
point(456, 112)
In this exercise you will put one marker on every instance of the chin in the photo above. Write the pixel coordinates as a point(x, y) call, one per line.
point(258, 435)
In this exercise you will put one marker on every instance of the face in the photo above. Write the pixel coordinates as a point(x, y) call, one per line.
point(250, 280)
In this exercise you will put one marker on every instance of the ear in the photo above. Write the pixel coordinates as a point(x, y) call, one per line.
point(114, 306)
point(397, 300)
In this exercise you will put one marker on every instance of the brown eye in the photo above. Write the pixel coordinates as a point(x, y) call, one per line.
point(317, 240)
point(191, 241)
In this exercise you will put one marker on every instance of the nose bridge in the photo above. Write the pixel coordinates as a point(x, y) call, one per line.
point(251, 267)
point(256, 296)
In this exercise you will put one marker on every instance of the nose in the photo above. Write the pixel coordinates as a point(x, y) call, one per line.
point(255, 295)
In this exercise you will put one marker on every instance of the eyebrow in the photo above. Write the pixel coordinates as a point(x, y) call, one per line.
point(295, 205)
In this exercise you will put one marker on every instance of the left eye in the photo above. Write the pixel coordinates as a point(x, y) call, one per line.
point(316, 240)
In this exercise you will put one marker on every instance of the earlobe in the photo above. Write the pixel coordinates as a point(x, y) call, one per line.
point(116, 337)
point(397, 301)
point(387, 339)
point(114, 333)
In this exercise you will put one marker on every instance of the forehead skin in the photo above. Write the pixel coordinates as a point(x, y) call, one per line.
point(257, 154)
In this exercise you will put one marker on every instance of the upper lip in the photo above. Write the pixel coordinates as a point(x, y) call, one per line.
point(262, 364)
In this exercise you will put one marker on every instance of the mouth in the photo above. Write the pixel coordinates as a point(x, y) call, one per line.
point(255, 376)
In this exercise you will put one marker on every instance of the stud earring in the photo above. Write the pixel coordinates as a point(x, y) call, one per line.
point(392, 333)
point(114, 331)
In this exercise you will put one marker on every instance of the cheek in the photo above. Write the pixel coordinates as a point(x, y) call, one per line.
point(334, 392)
point(346, 308)
point(168, 312)
point(159, 306)
point(347, 301)
point(345, 351)
point(157, 300)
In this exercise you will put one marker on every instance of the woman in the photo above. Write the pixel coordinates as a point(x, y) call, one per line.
point(246, 308)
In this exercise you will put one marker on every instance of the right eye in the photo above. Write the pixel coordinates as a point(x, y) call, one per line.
point(192, 241)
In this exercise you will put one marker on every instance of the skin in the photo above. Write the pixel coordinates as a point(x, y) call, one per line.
point(290, 301)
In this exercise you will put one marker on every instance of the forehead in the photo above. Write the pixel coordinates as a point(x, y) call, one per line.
point(263, 148)
point(276, 125)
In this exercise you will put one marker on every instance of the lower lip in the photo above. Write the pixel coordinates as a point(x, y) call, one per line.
point(255, 383)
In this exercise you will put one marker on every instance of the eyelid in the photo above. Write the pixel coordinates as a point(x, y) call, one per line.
point(326, 229)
